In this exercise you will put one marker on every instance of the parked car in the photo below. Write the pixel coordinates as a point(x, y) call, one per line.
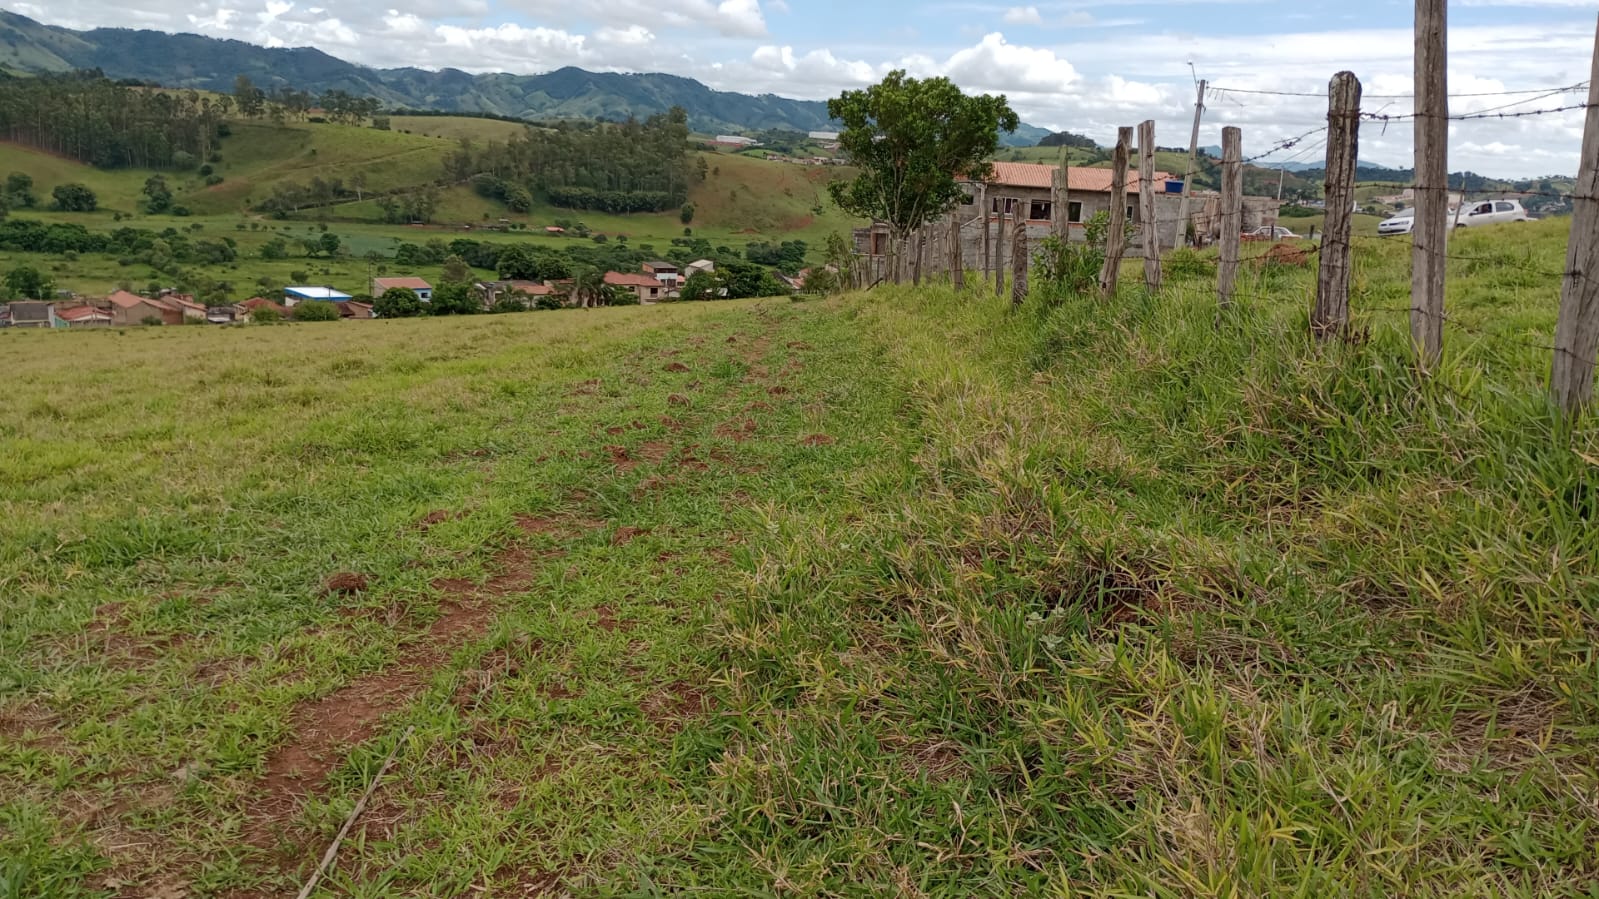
point(1491, 212)
point(1270, 232)
point(1402, 222)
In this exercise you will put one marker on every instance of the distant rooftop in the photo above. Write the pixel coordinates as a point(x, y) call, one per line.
point(317, 293)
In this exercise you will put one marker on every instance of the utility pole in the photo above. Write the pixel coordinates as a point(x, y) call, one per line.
point(1193, 154)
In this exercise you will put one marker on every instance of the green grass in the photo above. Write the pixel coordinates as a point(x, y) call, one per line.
point(1085, 598)
point(455, 128)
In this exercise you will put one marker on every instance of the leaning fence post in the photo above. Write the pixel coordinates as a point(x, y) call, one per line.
point(1146, 204)
point(1330, 315)
point(1231, 213)
point(1116, 237)
point(1577, 331)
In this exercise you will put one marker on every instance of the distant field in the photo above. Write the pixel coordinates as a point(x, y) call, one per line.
point(455, 128)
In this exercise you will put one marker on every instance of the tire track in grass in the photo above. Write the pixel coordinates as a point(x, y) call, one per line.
point(525, 719)
point(323, 732)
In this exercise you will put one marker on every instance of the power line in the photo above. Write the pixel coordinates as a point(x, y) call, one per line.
point(1321, 95)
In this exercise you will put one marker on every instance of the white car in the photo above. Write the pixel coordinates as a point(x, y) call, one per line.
point(1402, 222)
point(1268, 232)
point(1491, 212)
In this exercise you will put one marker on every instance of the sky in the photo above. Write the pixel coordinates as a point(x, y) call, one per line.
point(1081, 65)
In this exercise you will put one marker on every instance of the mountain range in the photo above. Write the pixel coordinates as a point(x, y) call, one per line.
point(204, 63)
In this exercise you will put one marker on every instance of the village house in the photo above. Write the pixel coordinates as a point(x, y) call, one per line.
point(132, 309)
point(249, 306)
point(648, 288)
point(422, 289)
point(697, 266)
point(665, 272)
point(192, 311)
point(293, 296)
point(33, 314)
point(491, 292)
point(84, 316)
point(353, 309)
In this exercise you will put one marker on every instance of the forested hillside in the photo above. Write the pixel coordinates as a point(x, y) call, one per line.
point(94, 120)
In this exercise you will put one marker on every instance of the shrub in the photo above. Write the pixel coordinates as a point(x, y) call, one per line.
point(1188, 263)
point(150, 320)
point(398, 302)
point(316, 311)
point(263, 315)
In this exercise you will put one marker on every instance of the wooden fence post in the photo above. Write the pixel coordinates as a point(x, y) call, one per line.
point(999, 253)
point(957, 260)
point(1330, 315)
point(1057, 206)
point(1116, 237)
point(1146, 204)
point(1577, 331)
point(1231, 213)
point(920, 257)
point(982, 215)
point(1018, 260)
point(1430, 232)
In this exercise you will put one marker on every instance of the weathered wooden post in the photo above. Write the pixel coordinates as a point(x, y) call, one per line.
point(1116, 238)
point(999, 253)
point(982, 216)
point(1057, 209)
point(1330, 315)
point(1018, 258)
point(1231, 213)
point(1430, 232)
point(1577, 331)
point(920, 256)
point(957, 257)
point(1150, 227)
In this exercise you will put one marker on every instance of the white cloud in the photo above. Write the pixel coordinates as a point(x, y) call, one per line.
point(1023, 15)
point(998, 66)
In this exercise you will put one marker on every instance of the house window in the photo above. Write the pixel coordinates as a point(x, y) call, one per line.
point(879, 244)
point(968, 200)
point(1074, 211)
point(1132, 213)
point(1040, 211)
point(1003, 205)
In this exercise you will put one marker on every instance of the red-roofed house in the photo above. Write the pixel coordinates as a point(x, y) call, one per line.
point(84, 316)
point(249, 306)
point(1026, 188)
point(648, 288)
point(491, 292)
point(132, 309)
point(192, 311)
point(424, 290)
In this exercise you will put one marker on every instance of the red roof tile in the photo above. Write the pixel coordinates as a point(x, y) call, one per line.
point(629, 279)
point(82, 313)
point(531, 288)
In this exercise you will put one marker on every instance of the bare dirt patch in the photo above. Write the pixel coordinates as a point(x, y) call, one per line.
point(677, 399)
point(345, 583)
point(654, 451)
point(798, 345)
point(437, 516)
point(587, 388)
point(627, 534)
point(674, 367)
point(737, 430)
point(671, 706)
point(777, 390)
point(621, 458)
point(670, 423)
point(322, 731)
point(817, 440)
point(758, 406)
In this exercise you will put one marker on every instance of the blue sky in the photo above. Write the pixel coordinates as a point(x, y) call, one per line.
point(1086, 65)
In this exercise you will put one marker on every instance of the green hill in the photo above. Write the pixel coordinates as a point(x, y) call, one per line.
point(194, 61)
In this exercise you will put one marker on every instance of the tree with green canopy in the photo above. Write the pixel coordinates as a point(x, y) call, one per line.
point(912, 140)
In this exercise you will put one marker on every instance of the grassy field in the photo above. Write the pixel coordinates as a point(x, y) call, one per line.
point(903, 593)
